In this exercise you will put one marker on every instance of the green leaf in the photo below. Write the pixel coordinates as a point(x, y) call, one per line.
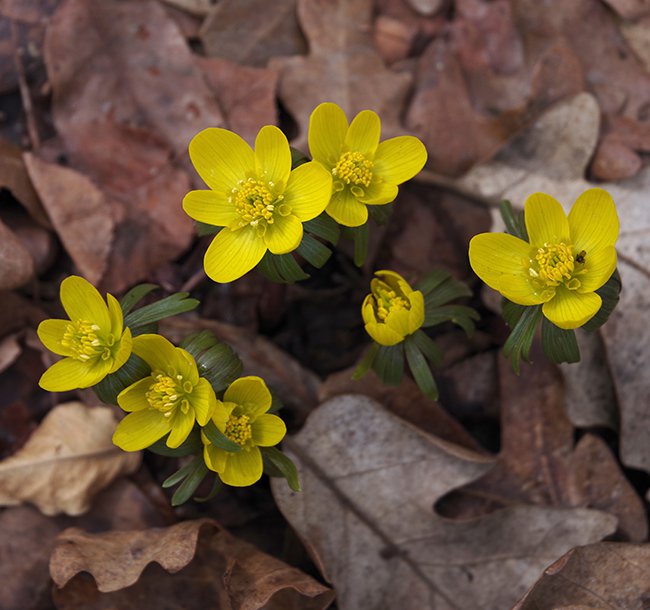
point(428, 347)
point(460, 315)
point(438, 292)
point(178, 476)
point(276, 403)
point(380, 213)
point(511, 312)
point(277, 464)
point(515, 223)
point(521, 337)
point(325, 227)
point(216, 486)
point(366, 362)
point(133, 370)
point(420, 369)
point(219, 439)
point(172, 305)
point(389, 364)
point(289, 269)
point(360, 238)
point(610, 294)
point(134, 296)
point(203, 228)
point(298, 157)
point(191, 483)
point(268, 268)
point(559, 345)
point(313, 251)
point(191, 446)
point(216, 361)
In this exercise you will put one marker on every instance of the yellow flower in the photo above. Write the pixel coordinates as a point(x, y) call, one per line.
point(393, 310)
point(365, 171)
point(255, 196)
point(243, 418)
point(93, 341)
point(169, 400)
point(566, 260)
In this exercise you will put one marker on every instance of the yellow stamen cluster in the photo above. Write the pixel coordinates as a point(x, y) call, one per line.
point(354, 168)
point(81, 338)
point(387, 300)
point(554, 264)
point(167, 393)
point(255, 202)
point(238, 429)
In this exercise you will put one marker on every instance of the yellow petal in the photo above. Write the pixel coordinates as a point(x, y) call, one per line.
point(211, 207)
point(346, 210)
point(141, 429)
point(600, 265)
point(499, 260)
point(268, 430)
point(546, 221)
point(204, 401)
point(243, 468)
point(593, 221)
point(382, 334)
point(156, 351)
point(134, 397)
point(399, 159)
point(115, 315)
point(416, 317)
point(123, 351)
point(570, 308)
point(221, 158)
point(233, 254)
point(215, 459)
point(379, 193)
point(284, 235)
point(221, 414)
point(327, 128)
point(272, 155)
point(250, 391)
point(368, 310)
point(50, 332)
point(308, 191)
point(363, 133)
point(398, 320)
point(182, 424)
point(187, 365)
point(81, 301)
point(69, 374)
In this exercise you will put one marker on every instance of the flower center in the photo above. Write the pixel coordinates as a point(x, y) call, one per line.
point(238, 429)
point(168, 392)
point(555, 264)
point(354, 168)
point(81, 338)
point(387, 300)
point(256, 203)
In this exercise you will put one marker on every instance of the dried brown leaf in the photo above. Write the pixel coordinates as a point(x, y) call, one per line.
point(66, 461)
point(630, 9)
point(603, 575)
point(228, 572)
point(342, 67)
point(16, 264)
point(80, 212)
point(200, 8)
point(365, 513)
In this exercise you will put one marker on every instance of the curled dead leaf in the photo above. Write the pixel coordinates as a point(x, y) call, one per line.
point(16, 264)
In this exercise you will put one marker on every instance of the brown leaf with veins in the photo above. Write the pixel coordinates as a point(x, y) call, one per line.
point(204, 565)
point(16, 264)
point(366, 514)
point(602, 575)
point(68, 459)
point(80, 213)
point(342, 67)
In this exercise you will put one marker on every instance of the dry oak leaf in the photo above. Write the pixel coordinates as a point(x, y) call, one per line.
point(366, 514)
point(603, 575)
point(342, 67)
point(551, 157)
point(228, 572)
point(16, 264)
point(68, 459)
point(79, 211)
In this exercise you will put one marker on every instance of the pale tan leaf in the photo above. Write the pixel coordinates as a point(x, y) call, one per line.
point(66, 461)
point(16, 264)
point(370, 482)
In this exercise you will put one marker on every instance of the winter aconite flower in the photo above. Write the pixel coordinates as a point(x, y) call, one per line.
point(393, 310)
point(565, 261)
point(93, 341)
point(365, 171)
point(169, 400)
point(242, 417)
point(255, 196)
